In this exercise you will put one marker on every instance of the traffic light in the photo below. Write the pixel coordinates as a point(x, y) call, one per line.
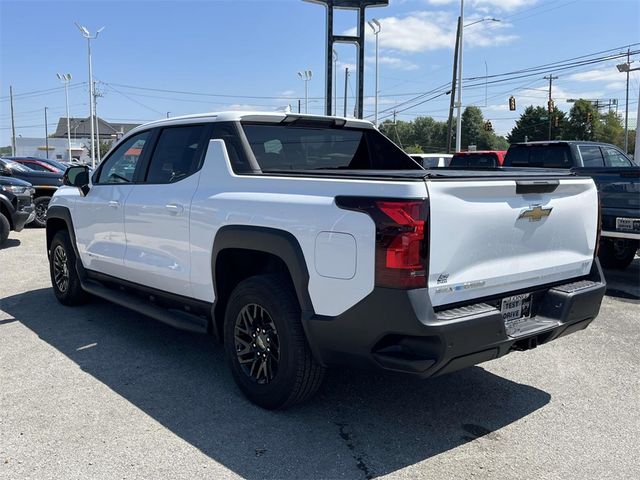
point(589, 117)
point(550, 105)
point(488, 126)
point(512, 103)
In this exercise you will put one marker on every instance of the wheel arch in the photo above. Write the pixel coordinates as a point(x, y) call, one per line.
point(59, 218)
point(253, 250)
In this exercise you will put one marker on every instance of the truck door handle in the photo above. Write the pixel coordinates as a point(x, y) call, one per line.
point(174, 208)
point(114, 203)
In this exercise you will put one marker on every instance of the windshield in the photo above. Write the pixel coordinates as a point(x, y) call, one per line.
point(286, 147)
point(475, 160)
point(14, 166)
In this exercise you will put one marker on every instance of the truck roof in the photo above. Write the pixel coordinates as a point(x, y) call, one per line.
point(253, 116)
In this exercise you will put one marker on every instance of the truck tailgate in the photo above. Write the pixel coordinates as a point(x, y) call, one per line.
point(486, 239)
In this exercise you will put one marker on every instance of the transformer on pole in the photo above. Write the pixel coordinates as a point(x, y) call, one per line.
point(358, 40)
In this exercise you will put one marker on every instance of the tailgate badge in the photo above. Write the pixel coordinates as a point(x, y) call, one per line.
point(535, 213)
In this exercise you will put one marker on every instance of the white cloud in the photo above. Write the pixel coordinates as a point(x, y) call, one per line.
point(393, 62)
point(609, 76)
point(426, 31)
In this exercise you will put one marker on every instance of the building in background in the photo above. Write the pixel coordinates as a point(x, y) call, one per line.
point(81, 128)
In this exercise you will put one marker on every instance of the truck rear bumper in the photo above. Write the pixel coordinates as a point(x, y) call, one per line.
point(400, 331)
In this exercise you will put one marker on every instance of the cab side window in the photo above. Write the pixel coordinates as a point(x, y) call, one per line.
point(176, 155)
point(122, 163)
point(615, 158)
point(591, 156)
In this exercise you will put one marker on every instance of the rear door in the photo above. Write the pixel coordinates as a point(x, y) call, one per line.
point(487, 239)
point(157, 211)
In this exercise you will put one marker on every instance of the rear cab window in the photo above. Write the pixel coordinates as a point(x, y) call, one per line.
point(278, 148)
point(475, 160)
point(541, 156)
point(591, 156)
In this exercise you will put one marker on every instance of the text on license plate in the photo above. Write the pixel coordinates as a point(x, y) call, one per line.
point(628, 224)
point(518, 306)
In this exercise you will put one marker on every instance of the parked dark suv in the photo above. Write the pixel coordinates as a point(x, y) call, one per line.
point(44, 183)
point(16, 205)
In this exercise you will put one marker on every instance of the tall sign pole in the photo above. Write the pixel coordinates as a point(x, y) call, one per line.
point(358, 40)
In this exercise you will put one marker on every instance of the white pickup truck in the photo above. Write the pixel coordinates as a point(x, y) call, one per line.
point(308, 242)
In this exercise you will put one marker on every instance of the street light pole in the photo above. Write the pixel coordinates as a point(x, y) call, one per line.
point(335, 82)
point(66, 78)
point(459, 90)
point(626, 68)
point(376, 27)
point(85, 33)
point(305, 76)
point(46, 132)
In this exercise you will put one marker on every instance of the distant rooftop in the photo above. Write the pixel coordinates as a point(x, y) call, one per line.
point(81, 128)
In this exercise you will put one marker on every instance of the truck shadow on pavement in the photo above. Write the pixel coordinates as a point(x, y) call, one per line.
point(360, 425)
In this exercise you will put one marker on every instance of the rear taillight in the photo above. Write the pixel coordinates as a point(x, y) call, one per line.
point(401, 242)
point(599, 229)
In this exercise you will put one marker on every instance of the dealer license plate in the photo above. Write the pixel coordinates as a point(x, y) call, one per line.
point(515, 308)
point(628, 224)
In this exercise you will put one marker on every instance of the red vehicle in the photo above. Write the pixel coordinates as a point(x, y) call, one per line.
point(479, 158)
point(40, 164)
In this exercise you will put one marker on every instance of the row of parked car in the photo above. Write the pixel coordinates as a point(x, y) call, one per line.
point(616, 176)
point(26, 187)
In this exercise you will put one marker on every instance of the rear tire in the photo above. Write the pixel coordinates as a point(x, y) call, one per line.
point(5, 228)
point(265, 344)
point(64, 276)
point(617, 253)
point(41, 205)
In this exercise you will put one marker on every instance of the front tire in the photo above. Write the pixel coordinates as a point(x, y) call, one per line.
point(41, 205)
point(5, 228)
point(265, 344)
point(617, 253)
point(62, 267)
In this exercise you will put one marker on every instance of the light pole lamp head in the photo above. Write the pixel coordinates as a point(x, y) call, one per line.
point(83, 30)
point(623, 67)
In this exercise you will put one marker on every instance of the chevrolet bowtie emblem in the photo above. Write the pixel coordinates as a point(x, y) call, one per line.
point(535, 213)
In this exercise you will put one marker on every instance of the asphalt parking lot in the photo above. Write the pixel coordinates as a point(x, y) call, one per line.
point(100, 392)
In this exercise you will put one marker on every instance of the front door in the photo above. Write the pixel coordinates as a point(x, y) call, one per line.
point(98, 217)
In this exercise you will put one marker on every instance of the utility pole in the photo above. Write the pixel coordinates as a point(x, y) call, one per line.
point(452, 100)
point(13, 123)
point(95, 113)
point(459, 115)
point(551, 78)
point(46, 132)
point(626, 113)
point(346, 81)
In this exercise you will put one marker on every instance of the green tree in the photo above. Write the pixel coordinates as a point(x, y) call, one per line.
point(533, 125)
point(5, 151)
point(611, 129)
point(472, 127)
point(583, 121)
point(413, 149)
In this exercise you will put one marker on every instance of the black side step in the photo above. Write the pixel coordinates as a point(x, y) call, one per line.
point(175, 318)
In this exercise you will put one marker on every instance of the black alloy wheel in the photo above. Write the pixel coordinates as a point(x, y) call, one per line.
point(257, 344)
point(61, 269)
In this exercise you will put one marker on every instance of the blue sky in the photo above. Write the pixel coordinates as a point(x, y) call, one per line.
point(245, 55)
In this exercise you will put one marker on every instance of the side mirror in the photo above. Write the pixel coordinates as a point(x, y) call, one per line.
point(77, 176)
